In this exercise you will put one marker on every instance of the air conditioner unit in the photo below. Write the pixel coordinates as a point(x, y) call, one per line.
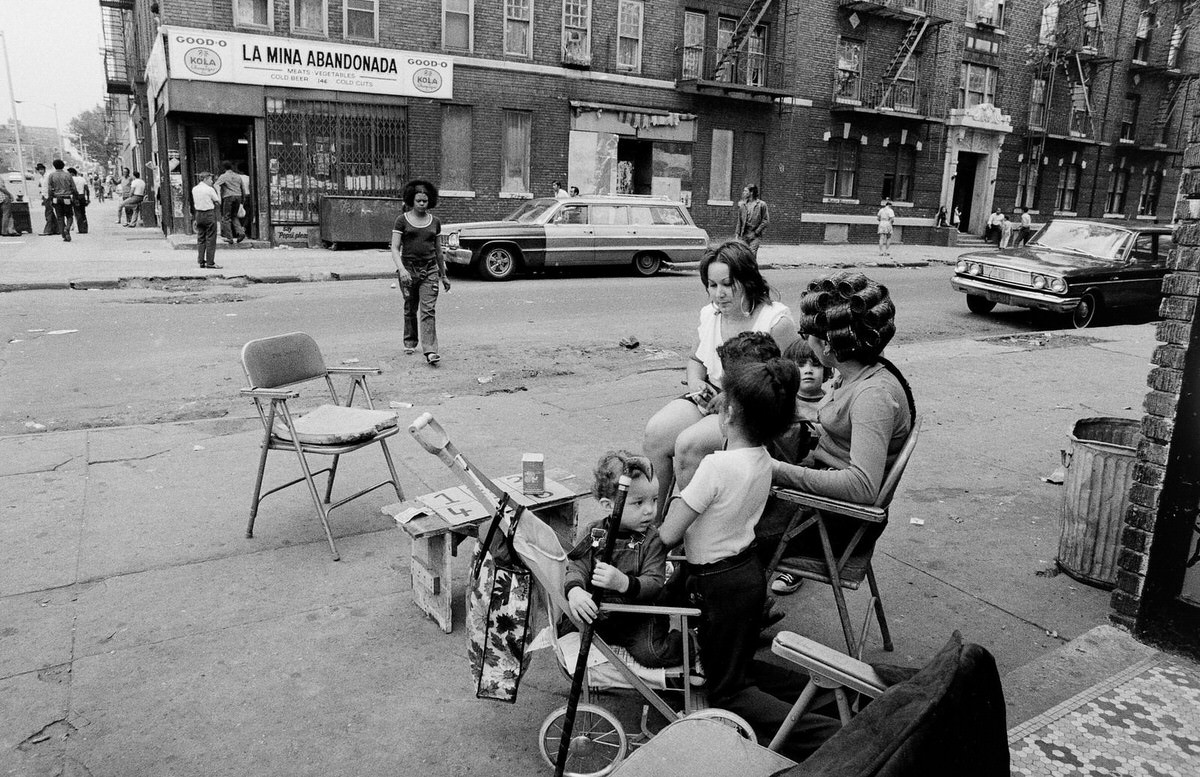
point(575, 48)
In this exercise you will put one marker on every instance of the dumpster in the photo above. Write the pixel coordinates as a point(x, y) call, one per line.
point(1095, 497)
point(347, 219)
point(20, 216)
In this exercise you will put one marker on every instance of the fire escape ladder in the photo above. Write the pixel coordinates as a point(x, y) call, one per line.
point(912, 38)
point(1166, 106)
point(741, 35)
point(116, 65)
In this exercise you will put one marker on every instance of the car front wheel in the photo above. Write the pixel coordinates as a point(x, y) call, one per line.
point(1087, 312)
point(978, 304)
point(497, 263)
point(647, 264)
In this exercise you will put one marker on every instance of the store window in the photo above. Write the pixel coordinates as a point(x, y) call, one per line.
point(514, 164)
point(253, 13)
point(577, 32)
point(849, 73)
point(319, 148)
point(694, 28)
point(1027, 183)
point(1118, 185)
point(361, 19)
point(978, 85)
point(1129, 118)
point(720, 175)
point(841, 168)
point(456, 148)
point(898, 181)
point(518, 20)
point(456, 24)
point(1068, 187)
point(629, 36)
point(309, 16)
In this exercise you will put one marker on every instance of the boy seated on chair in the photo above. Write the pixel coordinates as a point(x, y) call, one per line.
point(638, 567)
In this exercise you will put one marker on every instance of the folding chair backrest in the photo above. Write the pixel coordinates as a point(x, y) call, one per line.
point(892, 480)
point(283, 360)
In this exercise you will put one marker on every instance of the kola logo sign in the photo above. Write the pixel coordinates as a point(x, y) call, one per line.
point(427, 79)
point(202, 61)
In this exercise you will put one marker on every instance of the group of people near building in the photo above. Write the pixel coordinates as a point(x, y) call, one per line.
point(1005, 232)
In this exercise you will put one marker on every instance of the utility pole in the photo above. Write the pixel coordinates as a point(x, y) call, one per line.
point(16, 124)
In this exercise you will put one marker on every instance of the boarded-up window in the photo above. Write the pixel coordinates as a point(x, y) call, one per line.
point(456, 148)
point(720, 174)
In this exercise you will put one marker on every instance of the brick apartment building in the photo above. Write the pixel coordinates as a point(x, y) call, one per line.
point(1077, 107)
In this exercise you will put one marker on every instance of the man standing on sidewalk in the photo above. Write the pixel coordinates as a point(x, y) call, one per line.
point(206, 202)
point(51, 227)
point(752, 218)
point(83, 198)
point(230, 186)
point(60, 188)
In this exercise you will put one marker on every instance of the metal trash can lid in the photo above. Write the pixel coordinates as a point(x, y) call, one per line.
point(1118, 434)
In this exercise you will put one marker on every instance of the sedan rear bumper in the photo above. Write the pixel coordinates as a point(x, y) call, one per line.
point(1006, 295)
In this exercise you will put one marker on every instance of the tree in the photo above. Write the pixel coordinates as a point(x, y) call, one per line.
point(95, 134)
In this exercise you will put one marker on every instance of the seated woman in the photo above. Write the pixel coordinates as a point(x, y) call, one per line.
point(740, 301)
point(848, 320)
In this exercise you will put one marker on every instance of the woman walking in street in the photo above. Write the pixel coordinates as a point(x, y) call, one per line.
point(420, 264)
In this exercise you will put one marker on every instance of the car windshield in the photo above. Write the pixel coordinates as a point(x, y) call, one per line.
point(1099, 240)
point(530, 211)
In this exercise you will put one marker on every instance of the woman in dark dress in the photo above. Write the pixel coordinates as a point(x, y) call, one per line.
point(420, 264)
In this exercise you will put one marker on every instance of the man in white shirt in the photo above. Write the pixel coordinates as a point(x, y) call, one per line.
point(133, 203)
point(51, 227)
point(83, 198)
point(206, 202)
point(1026, 227)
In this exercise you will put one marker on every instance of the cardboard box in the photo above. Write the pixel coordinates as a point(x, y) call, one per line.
point(533, 473)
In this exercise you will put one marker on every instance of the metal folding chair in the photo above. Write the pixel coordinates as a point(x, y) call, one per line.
point(853, 565)
point(275, 364)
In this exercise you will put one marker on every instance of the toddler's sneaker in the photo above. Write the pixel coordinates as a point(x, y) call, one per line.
point(786, 583)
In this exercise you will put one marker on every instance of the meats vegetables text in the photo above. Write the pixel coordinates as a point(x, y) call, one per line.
point(316, 58)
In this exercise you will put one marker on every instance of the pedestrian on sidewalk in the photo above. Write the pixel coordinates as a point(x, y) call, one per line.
point(83, 198)
point(1026, 230)
point(51, 227)
point(887, 218)
point(420, 263)
point(207, 205)
point(247, 211)
point(752, 218)
point(122, 186)
point(133, 203)
point(230, 185)
point(6, 221)
point(60, 188)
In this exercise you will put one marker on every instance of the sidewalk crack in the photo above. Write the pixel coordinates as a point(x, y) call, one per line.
point(53, 468)
point(130, 458)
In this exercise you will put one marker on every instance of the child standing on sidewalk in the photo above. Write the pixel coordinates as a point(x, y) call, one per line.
point(638, 567)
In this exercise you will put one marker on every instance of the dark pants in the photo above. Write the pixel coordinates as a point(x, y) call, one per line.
point(51, 219)
point(730, 595)
point(80, 208)
point(420, 306)
point(6, 221)
point(63, 207)
point(648, 638)
point(231, 225)
point(1023, 235)
point(206, 237)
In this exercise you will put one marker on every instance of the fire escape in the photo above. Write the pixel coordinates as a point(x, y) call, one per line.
point(742, 65)
point(896, 92)
point(1168, 66)
point(114, 17)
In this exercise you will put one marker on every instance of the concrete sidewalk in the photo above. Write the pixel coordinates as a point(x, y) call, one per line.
point(142, 634)
point(110, 256)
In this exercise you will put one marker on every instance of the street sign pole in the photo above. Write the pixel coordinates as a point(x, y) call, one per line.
point(16, 124)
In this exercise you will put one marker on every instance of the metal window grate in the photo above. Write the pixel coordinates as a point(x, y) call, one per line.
point(319, 147)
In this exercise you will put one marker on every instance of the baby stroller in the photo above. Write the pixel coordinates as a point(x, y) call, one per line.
point(598, 739)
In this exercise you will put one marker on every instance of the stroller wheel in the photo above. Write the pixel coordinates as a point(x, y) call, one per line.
point(597, 741)
point(734, 721)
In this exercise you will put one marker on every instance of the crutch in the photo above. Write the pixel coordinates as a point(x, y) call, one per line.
point(430, 435)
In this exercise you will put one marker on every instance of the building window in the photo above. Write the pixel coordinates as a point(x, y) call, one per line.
point(1092, 23)
point(577, 32)
point(1145, 33)
point(629, 36)
point(694, 27)
point(456, 24)
point(986, 12)
point(750, 149)
point(1129, 118)
point(841, 168)
point(725, 28)
point(720, 174)
point(978, 85)
point(1081, 110)
point(1176, 42)
point(1068, 187)
point(756, 57)
point(362, 19)
point(518, 19)
point(456, 148)
point(849, 75)
point(309, 16)
point(514, 165)
point(1027, 183)
point(1117, 186)
point(1151, 189)
point(898, 181)
point(1048, 32)
point(904, 92)
point(253, 13)
point(1037, 103)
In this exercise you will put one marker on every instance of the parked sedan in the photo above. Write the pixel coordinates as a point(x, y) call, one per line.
point(642, 232)
point(1079, 268)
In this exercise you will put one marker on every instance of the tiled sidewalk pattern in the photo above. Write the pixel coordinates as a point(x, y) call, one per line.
point(1144, 721)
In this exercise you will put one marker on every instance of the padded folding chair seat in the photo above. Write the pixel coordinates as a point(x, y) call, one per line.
point(813, 568)
point(336, 425)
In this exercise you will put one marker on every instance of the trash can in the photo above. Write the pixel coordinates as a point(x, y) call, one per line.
point(1095, 496)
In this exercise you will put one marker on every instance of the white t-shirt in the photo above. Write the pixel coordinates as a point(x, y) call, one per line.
point(709, 331)
point(137, 188)
point(729, 490)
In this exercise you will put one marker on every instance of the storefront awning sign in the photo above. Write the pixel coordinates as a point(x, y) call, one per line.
point(235, 58)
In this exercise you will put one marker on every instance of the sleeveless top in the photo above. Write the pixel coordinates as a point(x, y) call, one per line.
point(710, 333)
point(418, 245)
